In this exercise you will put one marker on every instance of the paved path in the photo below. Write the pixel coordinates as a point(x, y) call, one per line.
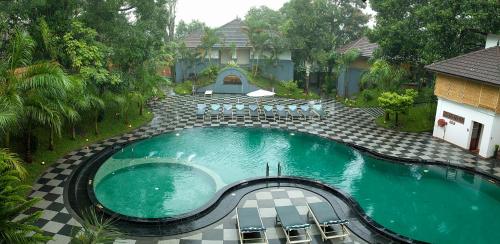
point(177, 113)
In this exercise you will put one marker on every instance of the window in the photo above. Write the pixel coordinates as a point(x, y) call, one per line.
point(232, 80)
point(454, 117)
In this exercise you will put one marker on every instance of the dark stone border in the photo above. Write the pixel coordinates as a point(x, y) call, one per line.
point(79, 195)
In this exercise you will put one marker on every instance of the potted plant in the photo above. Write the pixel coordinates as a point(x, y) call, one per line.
point(495, 153)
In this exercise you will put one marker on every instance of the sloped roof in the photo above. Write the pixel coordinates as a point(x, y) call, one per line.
point(365, 47)
point(229, 33)
point(481, 65)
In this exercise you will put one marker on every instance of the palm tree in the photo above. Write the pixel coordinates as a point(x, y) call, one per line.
point(38, 88)
point(344, 62)
point(13, 202)
point(95, 229)
point(208, 40)
point(82, 99)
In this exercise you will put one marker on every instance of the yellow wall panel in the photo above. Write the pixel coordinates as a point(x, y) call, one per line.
point(468, 92)
point(489, 97)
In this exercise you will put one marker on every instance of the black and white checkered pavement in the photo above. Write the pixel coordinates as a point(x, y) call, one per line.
point(178, 112)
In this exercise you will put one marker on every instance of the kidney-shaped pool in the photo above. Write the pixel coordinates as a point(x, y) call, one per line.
point(175, 173)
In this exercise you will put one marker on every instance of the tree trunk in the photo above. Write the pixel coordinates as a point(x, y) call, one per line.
point(51, 139)
point(308, 79)
point(28, 156)
point(96, 128)
point(346, 85)
point(396, 119)
point(387, 116)
point(141, 108)
point(73, 132)
point(7, 139)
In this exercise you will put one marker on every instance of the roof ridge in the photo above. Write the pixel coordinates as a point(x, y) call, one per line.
point(460, 56)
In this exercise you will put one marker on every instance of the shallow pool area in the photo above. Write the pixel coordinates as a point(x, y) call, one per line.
point(175, 173)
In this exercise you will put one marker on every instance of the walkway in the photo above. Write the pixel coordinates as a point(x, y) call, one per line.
point(177, 113)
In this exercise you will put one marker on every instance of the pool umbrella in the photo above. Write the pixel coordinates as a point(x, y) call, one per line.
point(261, 93)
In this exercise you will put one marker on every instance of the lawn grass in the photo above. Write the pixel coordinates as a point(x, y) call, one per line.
point(109, 127)
point(365, 99)
point(419, 118)
point(185, 87)
point(280, 90)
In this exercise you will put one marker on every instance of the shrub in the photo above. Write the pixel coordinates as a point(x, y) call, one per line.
point(211, 72)
point(184, 88)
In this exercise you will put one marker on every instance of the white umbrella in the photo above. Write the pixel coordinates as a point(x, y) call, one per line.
point(260, 93)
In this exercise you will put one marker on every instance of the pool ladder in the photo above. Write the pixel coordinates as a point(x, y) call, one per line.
point(451, 172)
point(267, 169)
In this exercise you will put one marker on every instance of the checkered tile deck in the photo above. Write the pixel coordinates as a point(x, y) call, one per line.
point(178, 112)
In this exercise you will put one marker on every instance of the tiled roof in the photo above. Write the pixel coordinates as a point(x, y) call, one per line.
point(364, 45)
point(482, 65)
point(229, 33)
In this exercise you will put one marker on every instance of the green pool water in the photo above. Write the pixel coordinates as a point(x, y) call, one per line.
point(175, 173)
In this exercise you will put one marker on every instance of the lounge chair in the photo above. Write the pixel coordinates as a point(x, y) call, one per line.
point(281, 112)
point(318, 110)
point(268, 111)
point(294, 226)
point(214, 110)
point(306, 111)
point(201, 110)
point(293, 111)
point(325, 218)
point(227, 110)
point(253, 111)
point(240, 111)
point(250, 226)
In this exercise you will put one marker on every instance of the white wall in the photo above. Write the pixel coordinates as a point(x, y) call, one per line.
point(286, 55)
point(460, 134)
point(492, 40)
point(243, 56)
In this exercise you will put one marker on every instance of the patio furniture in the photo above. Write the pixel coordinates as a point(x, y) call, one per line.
point(294, 226)
point(201, 110)
point(319, 111)
point(281, 112)
point(326, 220)
point(227, 110)
point(250, 226)
point(253, 111)
point(293, 111)
point(209, 93)
point(240, 111)
point(306, 111)
point(214, 110)
point(268, 111)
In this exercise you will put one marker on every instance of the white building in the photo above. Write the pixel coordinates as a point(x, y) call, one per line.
point(468, 91)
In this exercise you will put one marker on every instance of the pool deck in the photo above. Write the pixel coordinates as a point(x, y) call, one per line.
point(353, 126)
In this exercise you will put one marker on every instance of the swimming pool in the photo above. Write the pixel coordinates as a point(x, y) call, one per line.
point(175, 173)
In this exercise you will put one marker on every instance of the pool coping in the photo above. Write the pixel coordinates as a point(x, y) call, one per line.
point(212, 204)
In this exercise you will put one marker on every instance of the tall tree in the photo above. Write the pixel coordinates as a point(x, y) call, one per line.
point(184, 29)
point(316, 27)
point(208, 40)
point(422, 32)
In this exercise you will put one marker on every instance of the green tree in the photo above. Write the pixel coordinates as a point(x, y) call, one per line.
point(208, 40)
point(384, 75)
point(344, 63)
point(12, 228)
point(315, 28)
point(393, 102)
point(422, 32)
point(183, 29)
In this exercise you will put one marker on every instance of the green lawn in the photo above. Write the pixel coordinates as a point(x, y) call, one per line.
point(419, 118)
point(365, 99)
point(109, 127)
